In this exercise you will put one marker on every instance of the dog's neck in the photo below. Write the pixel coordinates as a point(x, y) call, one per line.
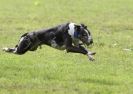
point(72, 31)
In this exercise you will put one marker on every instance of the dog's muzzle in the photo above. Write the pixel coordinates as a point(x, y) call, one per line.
point(87, 41)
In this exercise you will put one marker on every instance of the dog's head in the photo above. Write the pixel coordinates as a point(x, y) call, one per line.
point(81, 32)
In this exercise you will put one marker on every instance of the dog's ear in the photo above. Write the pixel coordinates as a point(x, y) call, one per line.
point(83, 25)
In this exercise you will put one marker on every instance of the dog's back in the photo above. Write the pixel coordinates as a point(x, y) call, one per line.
point(57, 34)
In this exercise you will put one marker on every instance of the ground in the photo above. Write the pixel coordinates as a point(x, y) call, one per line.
point(50, 71)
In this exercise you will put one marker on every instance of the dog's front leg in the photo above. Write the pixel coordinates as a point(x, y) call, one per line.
point(91, 58)
point(81, 50)
point(71, 48)
point(89, 53)
point(78, 49)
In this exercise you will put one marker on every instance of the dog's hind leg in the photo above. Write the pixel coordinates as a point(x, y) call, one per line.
point(22, 47)
point(15, 50)
point(10, 50)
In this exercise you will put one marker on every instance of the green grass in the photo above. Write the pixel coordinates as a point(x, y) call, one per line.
point(50, 71)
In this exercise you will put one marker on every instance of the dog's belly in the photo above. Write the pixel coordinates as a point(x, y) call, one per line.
point(57, 46)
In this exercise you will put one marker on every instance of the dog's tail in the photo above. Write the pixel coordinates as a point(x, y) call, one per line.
point(9, 50)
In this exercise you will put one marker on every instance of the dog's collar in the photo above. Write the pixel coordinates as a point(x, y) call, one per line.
point(72, 31)
point(75, 34)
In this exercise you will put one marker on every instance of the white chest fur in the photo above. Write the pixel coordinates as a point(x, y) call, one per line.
point(71, 29)
point(71, 33)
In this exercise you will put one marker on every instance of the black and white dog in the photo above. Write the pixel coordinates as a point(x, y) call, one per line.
point(69, 36)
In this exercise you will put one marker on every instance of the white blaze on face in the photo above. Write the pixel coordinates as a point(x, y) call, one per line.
point(71, 29)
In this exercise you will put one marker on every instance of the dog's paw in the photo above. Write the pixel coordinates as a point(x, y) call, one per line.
point(91, 53)
point(91, 58)
point(5, 49)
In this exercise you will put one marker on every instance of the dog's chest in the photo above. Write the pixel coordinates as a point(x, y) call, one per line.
point(55, 44)
point(76, 41)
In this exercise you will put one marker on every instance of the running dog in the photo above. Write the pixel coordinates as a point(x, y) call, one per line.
point(69, 36)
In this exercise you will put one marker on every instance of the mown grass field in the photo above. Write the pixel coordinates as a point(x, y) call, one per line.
point(50, 71)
